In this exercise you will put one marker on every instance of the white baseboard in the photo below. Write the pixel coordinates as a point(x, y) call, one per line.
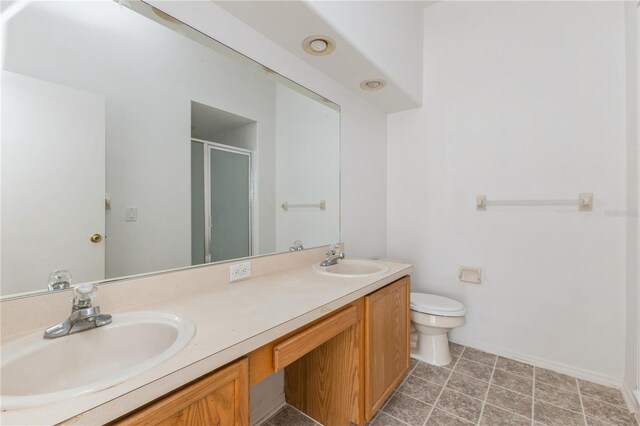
point(265, 412)
point(631, 398)
point(580, 373)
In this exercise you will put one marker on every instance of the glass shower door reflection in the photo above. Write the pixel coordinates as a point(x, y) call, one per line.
point(230, 207)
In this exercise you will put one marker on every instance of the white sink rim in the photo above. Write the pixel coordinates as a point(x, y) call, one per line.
point(381, 268)
point(34, 341)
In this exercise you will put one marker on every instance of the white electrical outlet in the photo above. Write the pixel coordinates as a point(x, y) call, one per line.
point(238, 271)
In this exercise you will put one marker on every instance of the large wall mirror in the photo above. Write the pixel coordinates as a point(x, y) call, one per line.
point(132, 144)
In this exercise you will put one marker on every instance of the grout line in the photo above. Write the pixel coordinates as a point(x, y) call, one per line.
point(507, 410)
point(566, 409)
point(511, 390)
point(395, 391)
point(497, 369)
point(429, 381)
point(453, 415)
point(403, 394)
point(444, 385)
point(387, 414)
point(511, 372)
point(461, 393)
point(601, 420)
point(310, 418)
point(486, 394)
point(558, 387)
point(608, 403)
point(584, 414)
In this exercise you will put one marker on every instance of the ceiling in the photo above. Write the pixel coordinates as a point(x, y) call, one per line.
point(374, 39)
point(207, 121)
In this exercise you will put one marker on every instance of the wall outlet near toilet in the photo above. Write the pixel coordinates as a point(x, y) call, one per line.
point(238, 271)
point(470, 274)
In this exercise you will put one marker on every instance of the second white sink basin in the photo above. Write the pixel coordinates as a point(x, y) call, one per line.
point(36, 371)
point(352, 268)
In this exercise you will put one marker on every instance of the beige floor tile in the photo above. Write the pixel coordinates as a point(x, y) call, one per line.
point(441, 418)
point(289, 416)
point(556, 416)
point(608, 412)
point(602, 393)
point(432, 373)
point(558, 397)
point(468, 385)
point(383, 419)
point(455, 349)
point(514, 367)
point(420, 389)
point(510, 401)
point(513, 382)
point(556, 379)
point(473, 369)
point(407, 409)
point(479, 356)
point(494, 416)
point(462, 406)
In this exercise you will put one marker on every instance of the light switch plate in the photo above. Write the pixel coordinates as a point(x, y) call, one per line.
point(131, 214)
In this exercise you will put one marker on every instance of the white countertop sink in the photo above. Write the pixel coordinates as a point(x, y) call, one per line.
point(36, 371)
point(352, 268)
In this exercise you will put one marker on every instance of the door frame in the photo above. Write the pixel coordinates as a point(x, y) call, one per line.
point(209, 145)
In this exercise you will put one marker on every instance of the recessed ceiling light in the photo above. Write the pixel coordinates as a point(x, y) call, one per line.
point(318, 45)
point(372, 85)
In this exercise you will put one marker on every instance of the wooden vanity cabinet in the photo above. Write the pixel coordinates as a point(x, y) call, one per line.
point(339, 369)
point(218, 399)
point(386, 342)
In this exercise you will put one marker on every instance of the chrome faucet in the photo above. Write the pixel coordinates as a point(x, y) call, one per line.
point(83, 315)
point(297, 246)
point(332, 256)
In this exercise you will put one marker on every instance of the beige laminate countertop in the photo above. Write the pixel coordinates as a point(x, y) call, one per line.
point(231, 321)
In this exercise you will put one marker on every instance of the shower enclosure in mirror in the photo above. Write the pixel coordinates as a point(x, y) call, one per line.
point(132, 144)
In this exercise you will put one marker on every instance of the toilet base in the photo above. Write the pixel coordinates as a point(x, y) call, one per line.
point(432, 349)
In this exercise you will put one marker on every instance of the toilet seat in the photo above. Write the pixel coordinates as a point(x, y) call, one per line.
point(436, 305)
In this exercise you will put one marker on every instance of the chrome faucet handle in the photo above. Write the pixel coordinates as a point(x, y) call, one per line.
point(83, 316)
point(333, 249)
point(297, 246)
point(83, 296)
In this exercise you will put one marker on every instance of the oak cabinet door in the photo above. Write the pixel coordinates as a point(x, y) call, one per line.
point(386, 342)
point(218, 399)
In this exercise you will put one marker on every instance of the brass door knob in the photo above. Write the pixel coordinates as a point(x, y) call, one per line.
point(95, 238)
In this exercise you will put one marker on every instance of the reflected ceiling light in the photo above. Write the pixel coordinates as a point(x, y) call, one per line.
point(318, 45)
point(373, 85)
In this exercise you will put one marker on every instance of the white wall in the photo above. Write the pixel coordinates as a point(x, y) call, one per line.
point(363, 127)
point(521, 100)
point(632, 363)
point(307, 170)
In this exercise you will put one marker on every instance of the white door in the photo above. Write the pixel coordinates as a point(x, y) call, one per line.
point(52, 187)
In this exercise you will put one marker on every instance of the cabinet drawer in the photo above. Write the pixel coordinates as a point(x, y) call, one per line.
point(287, 351)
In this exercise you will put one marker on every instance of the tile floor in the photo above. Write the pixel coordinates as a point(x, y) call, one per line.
point(485, 389)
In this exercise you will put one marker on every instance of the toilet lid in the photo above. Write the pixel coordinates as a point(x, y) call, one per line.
point(436, 305)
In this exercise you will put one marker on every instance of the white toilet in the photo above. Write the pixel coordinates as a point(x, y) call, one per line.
point(432, 317)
